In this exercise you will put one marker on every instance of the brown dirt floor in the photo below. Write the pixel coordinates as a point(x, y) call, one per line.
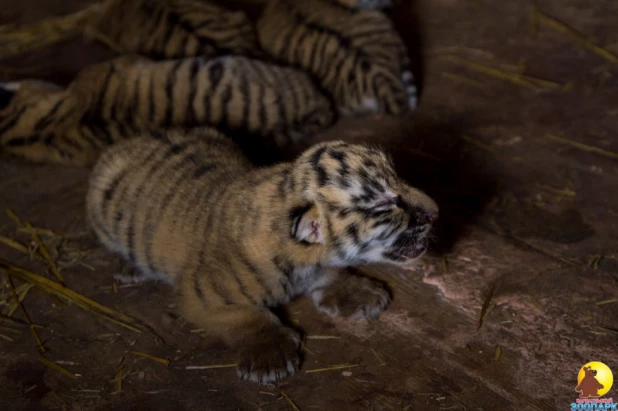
point(522, 213)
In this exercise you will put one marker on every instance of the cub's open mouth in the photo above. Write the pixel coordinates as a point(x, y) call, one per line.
point(404, 255)
point(415, 251)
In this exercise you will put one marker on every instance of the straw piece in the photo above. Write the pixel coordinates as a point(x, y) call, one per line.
point(574, 34)
point(322, 337)
point(14, 244)
point(39, 343)
point(36, 230)
point(515, 78)
point(594, 260)
point(303, 347)
point(582, 146)
point(335, 367)
point(490, 309)
point(613, 300)
point(73, 296)
point(41, 247)
point(151, 357)
point(12, 215)
point(380, 359)
point(477, 143)
point(45, 254)
point(542, 251)
point(56, 367)
point(12, 330)
point(119, 376)
point(498, 353)
point(611, 330)
point(462, 79)
point(567, 192)
point(289, 400)
point(22, 290)
point(445, 265)
point(484, 308)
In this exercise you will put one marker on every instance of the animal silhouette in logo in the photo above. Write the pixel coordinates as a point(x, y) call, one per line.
point(589, 386)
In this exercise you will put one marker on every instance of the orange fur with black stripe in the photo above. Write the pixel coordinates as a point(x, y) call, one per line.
point(235, 240)
point(260, 103)
point(168, 29)
point(355, 54)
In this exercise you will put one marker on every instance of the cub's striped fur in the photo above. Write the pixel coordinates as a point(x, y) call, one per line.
point(356, 55)
point(168, 29)
point(114, 100)
point(235, 240)
point(351, 4)
point(367, 4)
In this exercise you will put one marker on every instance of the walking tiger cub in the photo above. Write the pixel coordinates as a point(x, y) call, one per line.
point(357, 56)
point(115, 100)
point(235, 240)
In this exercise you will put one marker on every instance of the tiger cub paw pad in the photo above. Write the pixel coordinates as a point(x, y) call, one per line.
point(270, 356)
point(356, 298)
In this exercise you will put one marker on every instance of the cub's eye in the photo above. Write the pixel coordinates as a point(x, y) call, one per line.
point(389, 203)
point(383, 206)
point(399, 202)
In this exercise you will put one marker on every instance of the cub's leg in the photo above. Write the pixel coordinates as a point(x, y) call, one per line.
point(266, 350)
point(351, 296)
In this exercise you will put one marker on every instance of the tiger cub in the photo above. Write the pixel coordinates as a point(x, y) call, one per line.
point(356, 56)
point(236, 240)
point(168, 29)
point(114, 100)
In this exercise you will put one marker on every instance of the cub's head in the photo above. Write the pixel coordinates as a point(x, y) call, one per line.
point(359, 208)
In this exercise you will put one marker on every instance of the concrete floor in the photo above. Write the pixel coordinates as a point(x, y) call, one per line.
point(526, 212)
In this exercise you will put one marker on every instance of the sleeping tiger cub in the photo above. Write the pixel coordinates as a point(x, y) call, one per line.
point(168, 29)
point(236, 240)
point(357, 56)
point(114, 100)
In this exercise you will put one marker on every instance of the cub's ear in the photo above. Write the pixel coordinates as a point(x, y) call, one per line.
point(307, 225)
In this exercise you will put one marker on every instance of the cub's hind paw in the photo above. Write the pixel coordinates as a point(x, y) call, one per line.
point(355, 297)
point(270, 356)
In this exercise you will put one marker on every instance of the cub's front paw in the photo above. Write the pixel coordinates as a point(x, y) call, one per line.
point(269, 356)
point(355, 297)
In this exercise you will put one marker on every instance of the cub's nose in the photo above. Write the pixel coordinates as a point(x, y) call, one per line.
point(431, 217)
